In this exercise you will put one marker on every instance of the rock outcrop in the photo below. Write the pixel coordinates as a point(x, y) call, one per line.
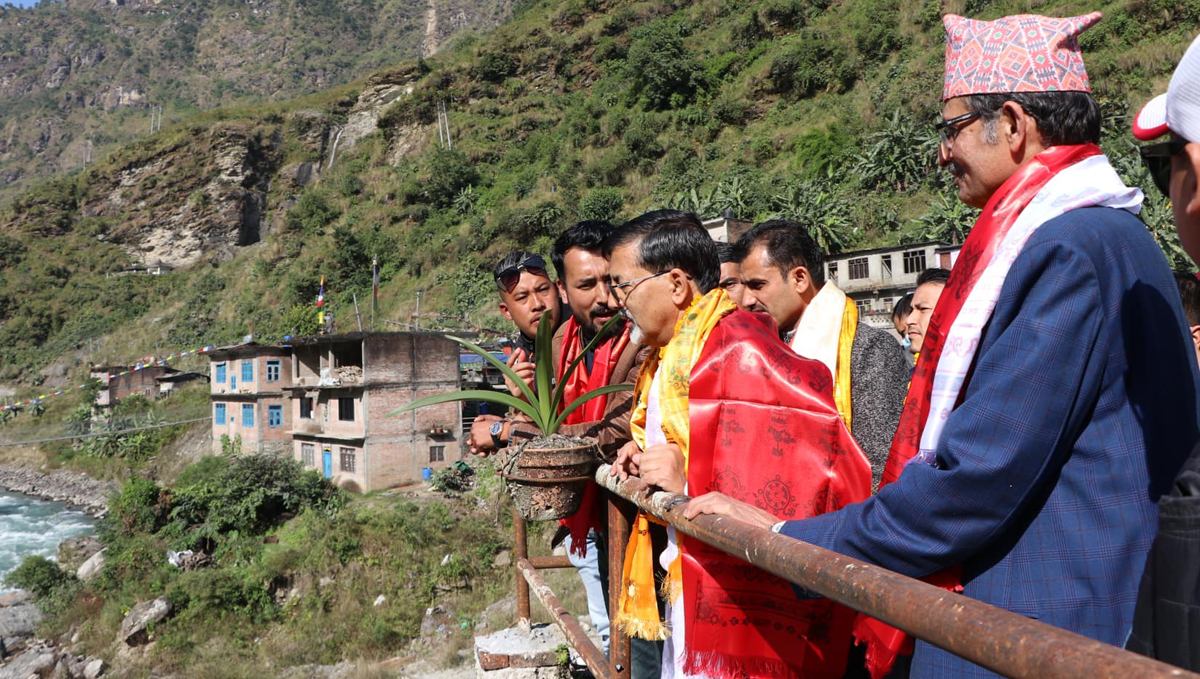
point(136, 627)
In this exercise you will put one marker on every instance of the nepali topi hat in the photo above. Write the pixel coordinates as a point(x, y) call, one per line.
point(1020, 53)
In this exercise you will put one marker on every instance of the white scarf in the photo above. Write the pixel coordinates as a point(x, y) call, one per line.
point(1092, 182)
point(820, 328)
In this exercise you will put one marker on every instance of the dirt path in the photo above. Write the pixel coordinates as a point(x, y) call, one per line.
point(430, 44)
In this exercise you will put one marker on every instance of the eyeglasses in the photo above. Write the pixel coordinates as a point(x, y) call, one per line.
point(507, 278)
point(947, 130)
point(1157, 159)
point(614, 287)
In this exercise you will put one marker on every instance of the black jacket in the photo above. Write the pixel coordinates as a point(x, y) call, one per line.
point(1166, 622)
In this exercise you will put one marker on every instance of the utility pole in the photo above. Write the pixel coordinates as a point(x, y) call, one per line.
point(356, 314)
point(417, 316)
point(441, 137)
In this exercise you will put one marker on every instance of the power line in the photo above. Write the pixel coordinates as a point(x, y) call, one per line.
point(103, 433)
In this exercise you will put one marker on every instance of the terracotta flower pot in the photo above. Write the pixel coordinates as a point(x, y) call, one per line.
point(547, 476)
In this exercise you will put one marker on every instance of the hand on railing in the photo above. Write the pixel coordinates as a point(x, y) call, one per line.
point(660, 465)
point(719, 504)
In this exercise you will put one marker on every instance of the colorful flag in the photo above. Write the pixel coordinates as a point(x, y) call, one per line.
point(321, 303)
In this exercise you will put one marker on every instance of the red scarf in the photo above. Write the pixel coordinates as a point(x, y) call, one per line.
point(604, 361)
point(885, 642)
point(763, 428)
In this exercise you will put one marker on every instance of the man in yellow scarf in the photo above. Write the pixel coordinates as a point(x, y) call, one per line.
point(722, 404)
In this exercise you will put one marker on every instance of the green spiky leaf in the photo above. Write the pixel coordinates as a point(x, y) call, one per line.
point(563, 378)
point(562, 417)
point(499, 398)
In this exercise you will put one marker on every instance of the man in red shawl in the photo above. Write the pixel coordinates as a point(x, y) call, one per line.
point(583, 284)
point(723, 405)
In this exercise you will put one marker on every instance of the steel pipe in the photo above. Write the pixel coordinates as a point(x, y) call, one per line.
point(521, 547)
point(550, 561)
point(1004, 642)
point(576, 637)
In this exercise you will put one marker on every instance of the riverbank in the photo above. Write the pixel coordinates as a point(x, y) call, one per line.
point(73, 488)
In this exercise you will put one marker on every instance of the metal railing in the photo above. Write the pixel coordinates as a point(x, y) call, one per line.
point(1004, 642)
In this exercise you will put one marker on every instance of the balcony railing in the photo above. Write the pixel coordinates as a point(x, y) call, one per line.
point(1004, 642)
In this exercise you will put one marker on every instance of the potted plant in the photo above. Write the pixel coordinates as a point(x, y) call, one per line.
point(546, 475)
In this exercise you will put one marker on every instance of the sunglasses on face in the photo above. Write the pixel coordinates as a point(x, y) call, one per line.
point(507, 278)
point(1157, 159)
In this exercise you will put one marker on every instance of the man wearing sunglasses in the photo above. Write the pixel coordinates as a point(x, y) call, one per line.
point(1046, 414)
point(1168, 607)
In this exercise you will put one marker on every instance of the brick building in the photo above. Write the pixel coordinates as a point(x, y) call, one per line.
point(122, 381)
point(344, 386)
point(248, 385)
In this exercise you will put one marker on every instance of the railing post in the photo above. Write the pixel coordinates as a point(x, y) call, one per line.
point(620, 515)
point(521, 546)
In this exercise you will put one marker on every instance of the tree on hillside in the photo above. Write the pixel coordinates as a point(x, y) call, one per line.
point(660, 67)
point(821, 209)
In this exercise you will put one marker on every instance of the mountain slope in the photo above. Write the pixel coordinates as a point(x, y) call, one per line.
point(573, 109)
point(79, 78)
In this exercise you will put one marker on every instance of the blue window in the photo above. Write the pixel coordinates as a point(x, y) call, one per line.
point(247, 371)
point(219, 413)
point(272, 371)
point(248, 415)
point(274, 416)
point(220, 373)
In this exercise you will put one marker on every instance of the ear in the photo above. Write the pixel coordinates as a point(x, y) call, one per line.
point(800, 279)
point(1196, 336)
point(505, 312)
point(562, 291)
point(1017, 129)
point(681, 288)
point(1189, 189)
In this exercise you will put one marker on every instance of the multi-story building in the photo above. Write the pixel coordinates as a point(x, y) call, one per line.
point(877, 279)
point(122, 381)
point(248, 384)
point(343, 389)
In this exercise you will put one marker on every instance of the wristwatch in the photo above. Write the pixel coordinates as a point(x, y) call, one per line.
point(495, 430)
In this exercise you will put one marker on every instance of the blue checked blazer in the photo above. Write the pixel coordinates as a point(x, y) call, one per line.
point(1081, 409)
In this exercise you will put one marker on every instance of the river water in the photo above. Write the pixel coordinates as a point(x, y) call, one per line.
point(29, 526)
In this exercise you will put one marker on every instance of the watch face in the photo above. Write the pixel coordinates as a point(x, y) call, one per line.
point(496, 428)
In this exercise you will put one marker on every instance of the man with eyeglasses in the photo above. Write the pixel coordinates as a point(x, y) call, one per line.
point(1165, 623)
point(1046, 415)
point(721, 403)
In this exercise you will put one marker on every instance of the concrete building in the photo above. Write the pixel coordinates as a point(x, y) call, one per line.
point(344, 386)
point(726, 229)
point(877, 279)
point(248, 384)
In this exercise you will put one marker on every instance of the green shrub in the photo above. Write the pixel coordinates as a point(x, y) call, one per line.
point(813, 63)
point(449, 173)
point(494, 67)
point(603, 204)
point(141, 506)
point(38, 575)
point(661, 69)
point(785, 14)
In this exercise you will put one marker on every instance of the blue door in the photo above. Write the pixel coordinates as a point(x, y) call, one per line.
point(327, 461)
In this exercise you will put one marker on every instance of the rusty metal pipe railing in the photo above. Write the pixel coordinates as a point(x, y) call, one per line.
point(551, 562)
point(521, 547)
point(1004, 642)
point(576, 637)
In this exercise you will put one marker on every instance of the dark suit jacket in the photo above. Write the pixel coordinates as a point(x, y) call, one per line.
point(612, 431)
point(879, 378)
point(1074, 422)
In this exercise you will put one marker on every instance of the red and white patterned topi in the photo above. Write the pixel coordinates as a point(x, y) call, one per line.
point(1020, 53)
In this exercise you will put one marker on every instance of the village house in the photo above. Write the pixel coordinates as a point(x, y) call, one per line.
point(877, 279)
point(122, 381)
point(343, 388)
point(248, 385)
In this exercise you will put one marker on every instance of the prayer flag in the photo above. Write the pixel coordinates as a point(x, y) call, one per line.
point(321, 303)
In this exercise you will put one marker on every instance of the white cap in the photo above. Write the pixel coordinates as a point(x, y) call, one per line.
point(1178, 110)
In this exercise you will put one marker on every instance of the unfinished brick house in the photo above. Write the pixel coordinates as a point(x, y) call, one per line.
point(122, 381)
point(248, 385)
point(344, 386)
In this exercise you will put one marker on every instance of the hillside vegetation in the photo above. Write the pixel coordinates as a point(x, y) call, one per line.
point(811, 109)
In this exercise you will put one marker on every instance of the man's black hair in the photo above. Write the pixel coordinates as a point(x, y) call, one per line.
point(1062, 117)
point(903, 307)
point(727, 253)
point(1189, 294)
point(510, 260)
point(788, 246)
point(935, 275)
point(587, 236)
point(670, 239)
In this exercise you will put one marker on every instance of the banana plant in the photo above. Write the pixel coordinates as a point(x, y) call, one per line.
point(541, 403)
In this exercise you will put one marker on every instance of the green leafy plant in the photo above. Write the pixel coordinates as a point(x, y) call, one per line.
point(540, 404)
